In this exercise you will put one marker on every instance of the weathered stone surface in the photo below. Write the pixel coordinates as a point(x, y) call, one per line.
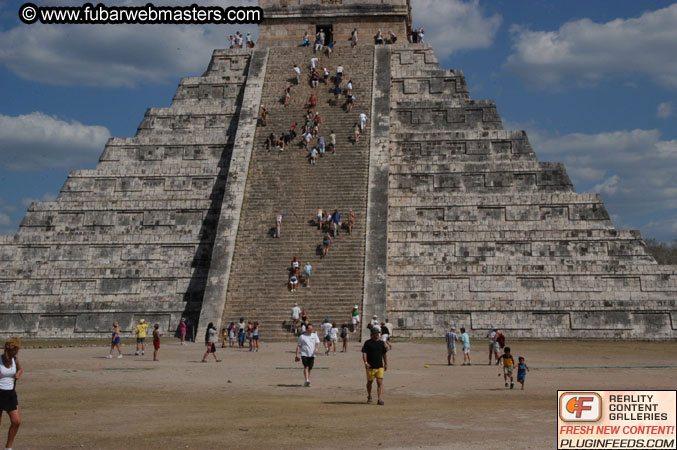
point(459, 223)
point(481, 233)
point(128, 239)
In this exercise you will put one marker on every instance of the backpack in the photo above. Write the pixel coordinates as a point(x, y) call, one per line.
point(501, 340)
point(343, 333)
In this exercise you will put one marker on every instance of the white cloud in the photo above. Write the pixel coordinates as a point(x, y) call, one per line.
point(586, 51)
point(5, 207)
point(5, 219)
point(37, 141)
point(454, 25)
point(665, 110)
point(47, 197)
point(664, 229)
point(608, 186)
point(633, 170)
point(114, 55)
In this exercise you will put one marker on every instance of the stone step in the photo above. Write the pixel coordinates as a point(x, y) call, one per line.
point(285, 181)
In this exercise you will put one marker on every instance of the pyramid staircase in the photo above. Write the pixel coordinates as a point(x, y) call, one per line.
point(286, 182)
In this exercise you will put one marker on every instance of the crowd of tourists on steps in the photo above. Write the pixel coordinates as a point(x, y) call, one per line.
point(316, 146)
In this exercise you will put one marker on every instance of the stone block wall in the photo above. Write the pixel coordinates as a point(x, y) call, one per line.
point(285, 21)
point(481, 233)
point(132, 238)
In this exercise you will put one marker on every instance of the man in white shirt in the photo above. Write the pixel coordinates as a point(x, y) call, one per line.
point(297, 70)
point(308, 345)
point(326, 338)
point(295, 314)
point(339, 70)
point(313, 62)
point(333, 336)
point(491, 335)
point(278, 224)
point(312, 155)
point(363, 121)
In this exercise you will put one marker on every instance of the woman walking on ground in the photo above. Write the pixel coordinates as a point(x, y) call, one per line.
point(210, 342)
point(115, 343)
point(255, 336)
point(344, 337)
point(10, 371)
point(183, 330)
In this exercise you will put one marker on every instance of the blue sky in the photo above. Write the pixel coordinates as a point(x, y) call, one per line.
point(593, 82)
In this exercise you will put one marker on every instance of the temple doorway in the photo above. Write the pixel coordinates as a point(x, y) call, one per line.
point(328, 32)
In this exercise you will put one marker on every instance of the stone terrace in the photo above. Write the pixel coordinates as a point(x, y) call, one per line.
point(481, 233)
point(132, 238)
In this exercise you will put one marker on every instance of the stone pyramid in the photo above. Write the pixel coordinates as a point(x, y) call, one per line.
point(458, 223)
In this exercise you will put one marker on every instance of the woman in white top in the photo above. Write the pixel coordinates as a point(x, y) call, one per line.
point(210, 342)
point(10, 371)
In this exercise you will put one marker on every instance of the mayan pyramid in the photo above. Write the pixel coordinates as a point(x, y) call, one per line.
point(457, 221)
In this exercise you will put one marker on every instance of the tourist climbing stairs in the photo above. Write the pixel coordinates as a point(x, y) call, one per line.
point(285, 182)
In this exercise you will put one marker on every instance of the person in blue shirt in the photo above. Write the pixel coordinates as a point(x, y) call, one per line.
point(307, 269)
point(322, 145)
point(522, 370)
point(336, 221)
point(465, 343)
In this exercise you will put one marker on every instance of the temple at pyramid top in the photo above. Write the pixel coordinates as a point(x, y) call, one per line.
point(446, 218)
point(286, 20)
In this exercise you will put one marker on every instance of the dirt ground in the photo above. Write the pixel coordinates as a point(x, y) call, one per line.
point(76, 398)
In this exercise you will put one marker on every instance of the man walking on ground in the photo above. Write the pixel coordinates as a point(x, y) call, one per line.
point(374, 355)
point(308, 345)
point(140, 331)
point(451, 338)
point(389, 326)
point(465, 340)
point(326, 329)
point(491, 335)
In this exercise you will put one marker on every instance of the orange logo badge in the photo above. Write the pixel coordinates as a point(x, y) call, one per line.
point(580, 407)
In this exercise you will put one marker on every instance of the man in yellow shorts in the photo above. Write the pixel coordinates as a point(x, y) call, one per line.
point(376, 361)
